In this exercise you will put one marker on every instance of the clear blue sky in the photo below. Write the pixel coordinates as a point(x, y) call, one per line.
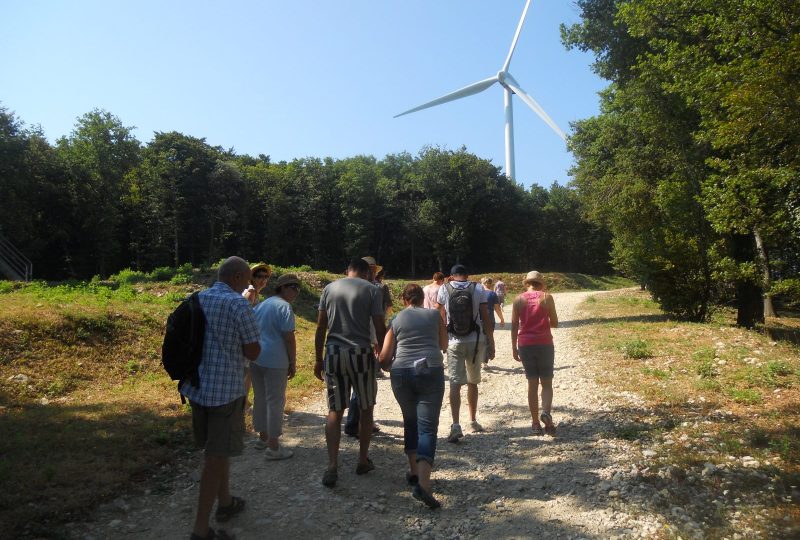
point(300, 78)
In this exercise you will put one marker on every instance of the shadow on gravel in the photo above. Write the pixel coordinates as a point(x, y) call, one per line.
point(672, 483)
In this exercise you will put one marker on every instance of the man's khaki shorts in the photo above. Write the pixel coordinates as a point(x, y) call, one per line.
point(219, 430)
point(463, 364)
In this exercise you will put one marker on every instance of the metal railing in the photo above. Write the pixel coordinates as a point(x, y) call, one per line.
point(13, 263)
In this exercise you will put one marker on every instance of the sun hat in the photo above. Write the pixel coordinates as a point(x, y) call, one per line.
point(287, 279)
point(260, 266)
point(458, 270)
point(533, 277)
point(370, 260)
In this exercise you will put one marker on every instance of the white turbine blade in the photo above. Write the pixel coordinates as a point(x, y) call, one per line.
point(516, 36)
point(533, 105)
point(473, 88)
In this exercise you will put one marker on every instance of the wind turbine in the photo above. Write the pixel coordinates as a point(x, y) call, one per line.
point(510, 87)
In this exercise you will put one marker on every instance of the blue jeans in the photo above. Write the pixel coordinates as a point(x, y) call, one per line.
point(420, 399)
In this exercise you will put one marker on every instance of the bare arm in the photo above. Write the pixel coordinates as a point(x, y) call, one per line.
point(319, 342)
point(251, 350)
point(488, 330)
point(380, 327)
point(499, 311)
point(442, 335)
point(291, 349)
point(387, 351)
point(515, 329)
point(443, 313)
point(551, 310)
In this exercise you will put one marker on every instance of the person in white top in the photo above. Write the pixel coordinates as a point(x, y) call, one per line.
point(431, 291)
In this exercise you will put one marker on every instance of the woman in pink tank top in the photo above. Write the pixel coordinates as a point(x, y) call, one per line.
point(533, 314)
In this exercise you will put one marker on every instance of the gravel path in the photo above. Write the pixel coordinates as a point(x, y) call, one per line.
point(503, 483)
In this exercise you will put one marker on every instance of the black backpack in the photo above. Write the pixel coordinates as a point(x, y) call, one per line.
point(459, 308)
point(182, 349)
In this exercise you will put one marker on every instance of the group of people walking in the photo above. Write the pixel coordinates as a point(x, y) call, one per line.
point(353, 342)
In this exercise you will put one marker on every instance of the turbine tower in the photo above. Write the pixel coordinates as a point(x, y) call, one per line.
point(510, 87)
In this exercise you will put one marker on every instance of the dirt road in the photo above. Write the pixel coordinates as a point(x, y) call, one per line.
point(503, 483)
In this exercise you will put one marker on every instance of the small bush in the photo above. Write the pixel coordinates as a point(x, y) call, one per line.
point(7, 287)
point(748, 396)
point(180, 279)
point(636, 348)
point(162, 273)
point(128, 276)
point(657, 373)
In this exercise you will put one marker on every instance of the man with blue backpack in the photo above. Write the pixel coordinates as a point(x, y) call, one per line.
point(462, 304)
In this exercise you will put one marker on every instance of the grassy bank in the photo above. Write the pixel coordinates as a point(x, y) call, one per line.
point(86, 410)
point(719, 424)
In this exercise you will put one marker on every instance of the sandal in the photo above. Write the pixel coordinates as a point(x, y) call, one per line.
point(364, 468)
point(412, 479)
point(330, 477)
point(549, 428)
point(425, 498)
point(212, 535)
point(224, 513)
point(537, 429)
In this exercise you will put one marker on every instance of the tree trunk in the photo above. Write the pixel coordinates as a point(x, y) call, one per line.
point(749, 303)
point(769, 310)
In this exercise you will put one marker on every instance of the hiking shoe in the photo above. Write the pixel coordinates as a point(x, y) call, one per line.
point(537, 429)
point(475, 426)
point(260, 444)
point(213, 535)
point(426, 498)
point(330, 477)
point(224, 513)
point(279, 453)
point(350, 433)
point(455, 433)
point(364, 468)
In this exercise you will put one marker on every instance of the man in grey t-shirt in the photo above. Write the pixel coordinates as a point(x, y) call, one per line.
point(346, 308)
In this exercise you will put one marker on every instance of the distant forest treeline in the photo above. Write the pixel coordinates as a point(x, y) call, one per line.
point(99, 200)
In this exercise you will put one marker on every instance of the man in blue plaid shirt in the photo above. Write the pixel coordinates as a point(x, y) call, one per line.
point(231, 335)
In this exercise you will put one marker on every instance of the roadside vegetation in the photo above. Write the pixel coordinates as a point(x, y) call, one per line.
point(87, 411)
point(718, 415)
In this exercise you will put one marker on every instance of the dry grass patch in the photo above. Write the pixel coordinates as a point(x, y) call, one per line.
point(718, 399)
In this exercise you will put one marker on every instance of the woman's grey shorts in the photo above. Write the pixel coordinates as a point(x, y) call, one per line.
point(538, 360)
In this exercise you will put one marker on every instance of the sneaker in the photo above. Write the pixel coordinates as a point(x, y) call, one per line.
point(260, 444)
point(475, 426)
point(455, 433)
point(279, 453)
point(426, 498)
point(224, 513)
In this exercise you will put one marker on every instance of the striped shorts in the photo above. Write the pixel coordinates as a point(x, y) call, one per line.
point(347, 369)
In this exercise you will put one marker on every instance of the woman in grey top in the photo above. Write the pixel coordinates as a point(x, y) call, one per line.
point(412, 351)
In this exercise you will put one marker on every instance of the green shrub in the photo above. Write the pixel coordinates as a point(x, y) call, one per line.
point(747, 396)
point(636, 348)
point(162, 273)
point(128, 276)
point(657, 373)
point(7, 287)
point(180, 279)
